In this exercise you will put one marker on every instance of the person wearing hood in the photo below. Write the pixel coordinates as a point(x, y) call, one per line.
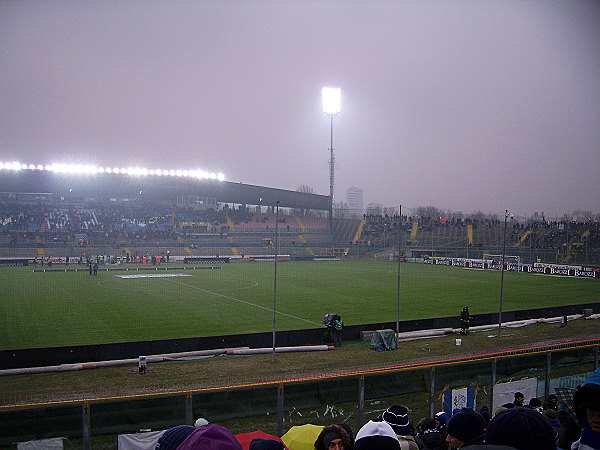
point(586, 402)
point(333, 437)
point(440, 423)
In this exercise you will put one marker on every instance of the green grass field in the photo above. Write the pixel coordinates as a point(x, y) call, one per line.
point(73, 308)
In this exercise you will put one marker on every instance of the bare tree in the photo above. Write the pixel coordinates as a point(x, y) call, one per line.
point(583, 216)
point(428, 211)
point(305, 189)
point(341, 210)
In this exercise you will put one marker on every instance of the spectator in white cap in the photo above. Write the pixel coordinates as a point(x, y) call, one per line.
point(376, 436)
point(200, 422)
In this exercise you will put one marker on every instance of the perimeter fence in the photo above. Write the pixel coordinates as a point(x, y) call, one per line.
point(274, 407)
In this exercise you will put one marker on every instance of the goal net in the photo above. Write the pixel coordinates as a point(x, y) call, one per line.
point(508, 259)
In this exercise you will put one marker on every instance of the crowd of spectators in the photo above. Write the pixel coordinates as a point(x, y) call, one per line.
point(516, 425)
point(142, 223)
point(554, 235)
point(121, 224)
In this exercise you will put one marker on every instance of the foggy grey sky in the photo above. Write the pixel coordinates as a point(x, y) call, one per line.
point(464, 105)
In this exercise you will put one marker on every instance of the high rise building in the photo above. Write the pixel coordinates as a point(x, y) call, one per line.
point(354, 199)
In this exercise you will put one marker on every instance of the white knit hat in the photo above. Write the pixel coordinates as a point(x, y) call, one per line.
point(376, 436)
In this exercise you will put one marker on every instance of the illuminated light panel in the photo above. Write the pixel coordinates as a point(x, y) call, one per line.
point(92, 169)
point(331, 100)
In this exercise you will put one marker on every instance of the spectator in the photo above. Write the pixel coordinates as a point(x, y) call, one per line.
point(429, 435)
point(536, 404)
point(333, 437)
point(569, 430)
point(519, 399)
point(376, 436)
point(552, 418)
point(465, 428)
point(521, 428)
point(338, 325)
point(210, 437)
point(551, 402)
point(586, 402)
point(465, 320)
point(485, 412)
point(499, 409)
point(440, 422)
point(397, 417)
point(346, 427)
point(200, 421)
point(174, 437)
point(266, 444)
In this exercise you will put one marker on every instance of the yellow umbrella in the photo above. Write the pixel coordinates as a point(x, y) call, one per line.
point(302, 437)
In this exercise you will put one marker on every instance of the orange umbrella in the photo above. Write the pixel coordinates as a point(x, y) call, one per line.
point(246, 438)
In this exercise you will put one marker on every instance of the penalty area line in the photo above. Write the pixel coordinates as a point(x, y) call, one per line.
point(244, 302)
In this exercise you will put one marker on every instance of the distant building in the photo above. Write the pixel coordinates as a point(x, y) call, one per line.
point(354, 199)
point(374, 208)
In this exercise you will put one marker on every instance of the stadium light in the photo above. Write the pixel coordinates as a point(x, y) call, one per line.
point(331, 100)
point(331, 106)
point(92, 169)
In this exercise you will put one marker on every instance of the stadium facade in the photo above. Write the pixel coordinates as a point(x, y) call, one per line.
point(158, 188)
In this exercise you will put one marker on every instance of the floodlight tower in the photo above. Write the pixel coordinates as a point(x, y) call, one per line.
point(331, 107)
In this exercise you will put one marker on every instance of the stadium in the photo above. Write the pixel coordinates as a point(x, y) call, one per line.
point(107, 265)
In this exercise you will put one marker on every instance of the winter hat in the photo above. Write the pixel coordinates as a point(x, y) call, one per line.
point(332, 435)
point(266, 444)
point(441, 416)
point(552, 416)
point(211, 437)
point(376, 436)
point(173, 437)
point(201, 421)
point(397, 417)
point(588, 394)
point(466, 425)
point(521, 428)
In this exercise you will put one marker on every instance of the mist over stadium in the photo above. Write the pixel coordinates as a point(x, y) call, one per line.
point(183, 185)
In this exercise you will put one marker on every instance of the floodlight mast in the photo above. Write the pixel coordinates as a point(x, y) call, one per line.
point(331, 107)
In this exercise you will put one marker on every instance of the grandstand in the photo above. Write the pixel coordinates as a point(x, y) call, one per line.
point(45, 214)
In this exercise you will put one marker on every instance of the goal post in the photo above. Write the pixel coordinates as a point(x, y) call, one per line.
point(508, 259)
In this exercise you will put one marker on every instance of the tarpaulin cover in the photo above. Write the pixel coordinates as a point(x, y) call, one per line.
point(139, 441)
point(384, 340)
point(42, 444)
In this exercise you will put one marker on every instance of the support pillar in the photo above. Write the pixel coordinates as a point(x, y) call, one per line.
point(361, 401)
point(86, 429)
point(280, 419)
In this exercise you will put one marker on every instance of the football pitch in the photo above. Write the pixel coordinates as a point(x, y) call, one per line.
point(49, 309)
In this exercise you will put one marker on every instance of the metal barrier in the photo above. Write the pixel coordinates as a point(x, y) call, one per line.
point(274, 406)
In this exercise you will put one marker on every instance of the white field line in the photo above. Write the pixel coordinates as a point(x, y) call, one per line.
point(243, 301)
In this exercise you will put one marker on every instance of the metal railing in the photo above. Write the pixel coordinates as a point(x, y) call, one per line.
point(275, 401)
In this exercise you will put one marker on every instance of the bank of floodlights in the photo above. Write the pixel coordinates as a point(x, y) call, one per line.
point(90, 169)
